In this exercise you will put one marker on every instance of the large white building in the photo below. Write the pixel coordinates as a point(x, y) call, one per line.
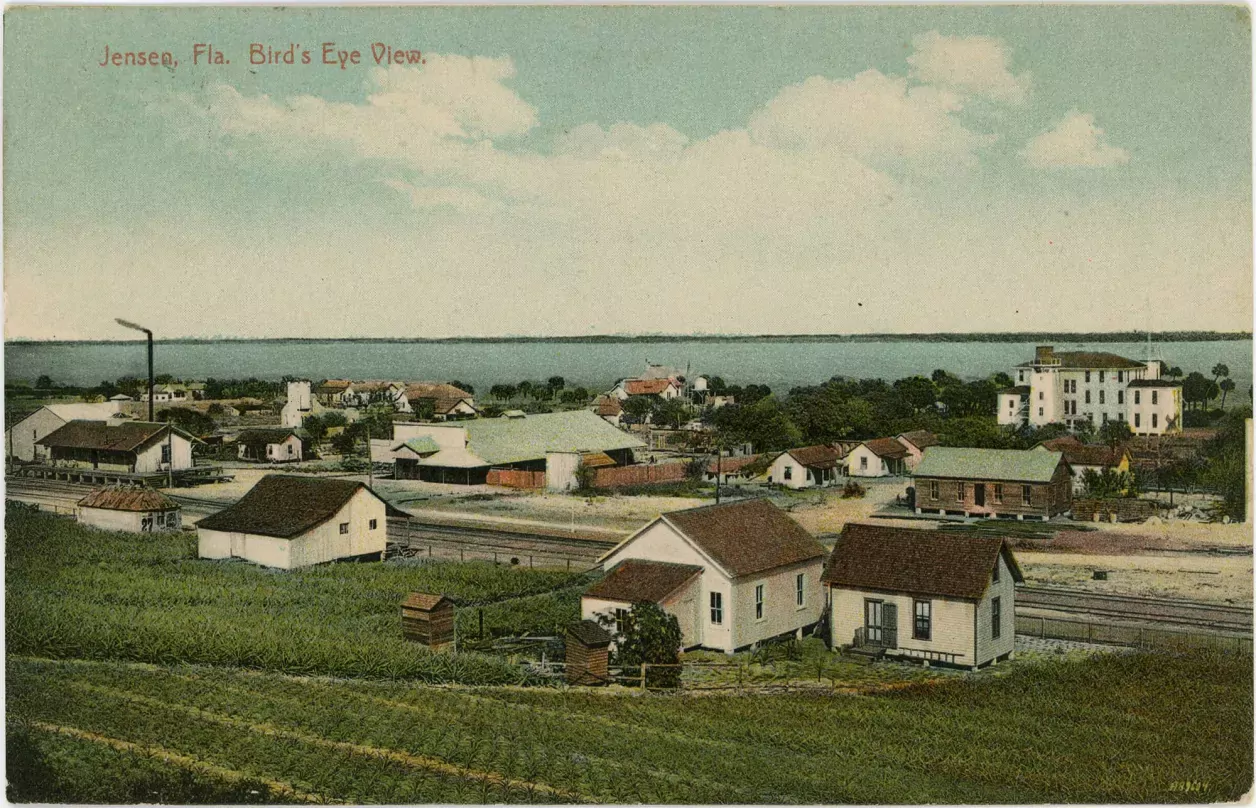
point(1070, 387)
point(21, 440)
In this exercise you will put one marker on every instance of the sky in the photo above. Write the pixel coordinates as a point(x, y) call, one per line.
point(579, 170)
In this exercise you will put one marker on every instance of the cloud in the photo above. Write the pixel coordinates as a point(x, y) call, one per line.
point(970, 65)
point(872, 117)
point(1074, 142)
point(623, 141)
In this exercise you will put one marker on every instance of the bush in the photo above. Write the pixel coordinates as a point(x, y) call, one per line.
point(853, 490)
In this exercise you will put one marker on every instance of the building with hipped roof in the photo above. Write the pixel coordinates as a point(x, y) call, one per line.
point(130, 508)
point(993, 483)
point(136, 447)
point(937, 596)
point(733, 574)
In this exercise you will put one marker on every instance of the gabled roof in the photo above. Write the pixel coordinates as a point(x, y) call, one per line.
point(425, 601)
point(1020, 390)
point(262, 437)
point(1090, 360)
point(1077, 453)
point(128, 498)
point(83, 411)
point(514, 440)
point(1013, 465)
point(421, 445)
point(607, 406)
point(333, 386)
point(444, 406)
point(636, 579)
point(122, 436)
point(746, 537)
point(286, 505)
point(920, 438)
point(589, 634)
point(647, 387)
point(822, 456)
point(941, 563)
point(886, 447)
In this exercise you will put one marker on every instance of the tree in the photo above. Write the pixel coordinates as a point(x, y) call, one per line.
point(716, 386)
point(1220, 370)
point(1115, 433)
point(555, 383)
point(424, 408)
point(638, 406)
point(918, 392)
point(344, 443)
point(44, 383)
point(502, 392)
point(462, 386)
point(1227, 386)
point(670, 413)
point(1107, 484)
point(189, 421)
point(315, 426)
point(1173, 372)
point(650, 636)
point(1196, 388)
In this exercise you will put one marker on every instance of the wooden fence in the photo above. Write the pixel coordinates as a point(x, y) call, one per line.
point(1134, 636)
point(1113, 510)
point(642, 474)
point(510, 478)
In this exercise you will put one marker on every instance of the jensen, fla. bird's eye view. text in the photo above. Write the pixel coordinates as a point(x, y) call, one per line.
point(820, 404)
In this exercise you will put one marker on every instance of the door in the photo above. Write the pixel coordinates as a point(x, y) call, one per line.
point(889, 625)
point(880, 623)
point(979, 494)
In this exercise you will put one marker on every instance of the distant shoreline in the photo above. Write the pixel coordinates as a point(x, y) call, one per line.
point(628, 339)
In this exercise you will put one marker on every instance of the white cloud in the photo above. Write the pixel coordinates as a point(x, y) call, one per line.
point(972, 65)
point(1073, 142)
point(872, 117)
point(623, 141)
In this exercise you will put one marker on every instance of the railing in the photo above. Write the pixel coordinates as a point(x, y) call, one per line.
point(931, 656)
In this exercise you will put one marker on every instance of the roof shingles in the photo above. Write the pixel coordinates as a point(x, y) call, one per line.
point(285, 506)
point(746, 537)
point(637, 579)
point(1012, 465)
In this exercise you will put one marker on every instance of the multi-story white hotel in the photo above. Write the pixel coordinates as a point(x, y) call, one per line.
point(1074, 386)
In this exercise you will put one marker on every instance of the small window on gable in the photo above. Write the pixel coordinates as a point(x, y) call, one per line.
point(344, 528)
point(374, 524)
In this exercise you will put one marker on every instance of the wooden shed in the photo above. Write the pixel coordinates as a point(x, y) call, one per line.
point(428, 619)
point(588, 653)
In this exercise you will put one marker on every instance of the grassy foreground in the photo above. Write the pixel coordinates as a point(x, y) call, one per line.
point(76, 592)
point(1136, 728)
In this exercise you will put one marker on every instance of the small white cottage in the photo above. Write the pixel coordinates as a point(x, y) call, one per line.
point(933, 595)
point(287, 521)
point(733, 574)
point(881, 457)
point(269, 445)
point(806, 467)
point(134, 509)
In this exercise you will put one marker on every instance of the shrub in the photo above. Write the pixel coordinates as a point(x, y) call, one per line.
point(853, 490)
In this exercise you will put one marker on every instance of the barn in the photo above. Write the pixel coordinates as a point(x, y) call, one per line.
point(288, 521)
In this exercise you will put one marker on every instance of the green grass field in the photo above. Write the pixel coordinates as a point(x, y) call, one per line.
point(75, 592)
point(137, 673)
point(1110, 729)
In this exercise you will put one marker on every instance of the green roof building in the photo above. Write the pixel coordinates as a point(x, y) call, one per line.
point(993, 483)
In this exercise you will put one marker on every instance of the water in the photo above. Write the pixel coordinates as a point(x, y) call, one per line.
point(780, 365)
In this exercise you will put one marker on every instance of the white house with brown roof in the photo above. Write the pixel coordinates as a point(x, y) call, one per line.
point(134, 509)
point(915, 442)
point(881, 457)
point(938, 596)
point(130, 446)
point(734, 574)
point(21, 441)
point(805, 467)
point(288, 521)
point(668, 388)
point(437, 401)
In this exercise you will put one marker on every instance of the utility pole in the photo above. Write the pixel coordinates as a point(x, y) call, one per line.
point(134, 327)
point(170, 454)
point(370, 463)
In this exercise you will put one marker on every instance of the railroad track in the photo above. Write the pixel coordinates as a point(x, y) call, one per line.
point(1195, 613)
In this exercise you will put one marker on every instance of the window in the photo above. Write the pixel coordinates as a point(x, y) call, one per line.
point(922, 623)
point(863, 463)
point(933, 489)
point(994, 577)
point(758, 602)
point(374, 524)
point(344, 528)
point(1102, 373)
point(1120, 396)
point(998, 493)
point(1138, 397)
point(996, 618)
point(161, 518)
point(1040, 395)
point(800, 590)
point(1137, 420)
point(165, 453)
point(1155, 396)
point(1040, 412)
point(1155, 418)
point(1105, 417)
point(960, 491)
point(1087, 396)
point(1120, 416)
point(1088, 377)
point(621, 620)
point(789, 472)
point(1027, 495)
point(1020, 375)
point(717, 608)
point(1101, 397)
point(1120, 376)
point(291, 450)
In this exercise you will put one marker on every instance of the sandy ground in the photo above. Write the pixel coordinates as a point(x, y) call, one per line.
point(614, 512)
point(1226, 579)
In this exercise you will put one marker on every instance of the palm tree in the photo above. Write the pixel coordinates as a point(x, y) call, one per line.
point(1174, 373)
point(1219, 370)
point(1226, 386)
